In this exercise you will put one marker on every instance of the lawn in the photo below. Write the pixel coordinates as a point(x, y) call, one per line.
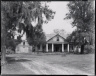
point(49, 64)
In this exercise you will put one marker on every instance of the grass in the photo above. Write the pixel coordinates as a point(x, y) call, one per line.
point(13, 66)
point(82, 62)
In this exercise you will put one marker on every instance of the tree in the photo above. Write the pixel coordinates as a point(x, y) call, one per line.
point(3, 35)
point(38, 38)
point(37, 33)
point(18, 16)
point(75, 37)
point(82, 13)
point(70, 37)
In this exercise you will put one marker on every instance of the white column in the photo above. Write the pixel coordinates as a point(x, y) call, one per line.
point(52, 47)
point(46, 47)
point(68, 47)
point(62, 47)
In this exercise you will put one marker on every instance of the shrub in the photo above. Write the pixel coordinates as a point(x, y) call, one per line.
point(9, 51)
point(89, 49)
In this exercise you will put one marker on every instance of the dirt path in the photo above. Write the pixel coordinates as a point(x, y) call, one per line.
point(43, 67)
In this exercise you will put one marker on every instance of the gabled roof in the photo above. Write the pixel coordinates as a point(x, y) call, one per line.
point(49, 36)
point(55, 36)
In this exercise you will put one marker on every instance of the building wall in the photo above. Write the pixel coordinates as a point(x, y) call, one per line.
point(23, 48)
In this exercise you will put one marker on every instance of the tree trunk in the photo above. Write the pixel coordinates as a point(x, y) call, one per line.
point(3, 54)
point(3, 47)
point(35, 48)
point(3, 37)
point(82, 49)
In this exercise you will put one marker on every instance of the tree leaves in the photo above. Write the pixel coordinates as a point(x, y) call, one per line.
point(81, 12)
point(15, 12)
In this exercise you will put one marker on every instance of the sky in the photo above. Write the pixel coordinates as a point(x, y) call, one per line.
point(60, 7)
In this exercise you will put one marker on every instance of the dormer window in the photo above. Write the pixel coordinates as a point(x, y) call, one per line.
point(57, 38)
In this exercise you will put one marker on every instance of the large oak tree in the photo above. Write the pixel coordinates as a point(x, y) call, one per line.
point(18, 15)
point(83, 15)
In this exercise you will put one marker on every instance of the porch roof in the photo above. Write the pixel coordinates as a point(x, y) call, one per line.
point(56, 42)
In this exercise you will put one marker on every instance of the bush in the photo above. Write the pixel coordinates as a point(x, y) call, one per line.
point(89, 49)
point(9, 51)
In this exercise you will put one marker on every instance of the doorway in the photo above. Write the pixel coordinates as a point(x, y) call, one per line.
point(57, 47)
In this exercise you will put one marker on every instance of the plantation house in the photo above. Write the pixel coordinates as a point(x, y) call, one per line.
point(54, 43)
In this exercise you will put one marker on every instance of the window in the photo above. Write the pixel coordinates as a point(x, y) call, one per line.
point(57, 38)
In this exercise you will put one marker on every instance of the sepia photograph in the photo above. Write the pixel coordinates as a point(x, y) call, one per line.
point(48, 37)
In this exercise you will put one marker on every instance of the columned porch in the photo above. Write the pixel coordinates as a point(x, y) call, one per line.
point(53, 47)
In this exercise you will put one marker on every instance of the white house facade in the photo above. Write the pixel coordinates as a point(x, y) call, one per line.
point(23, 47)
point(55, 43)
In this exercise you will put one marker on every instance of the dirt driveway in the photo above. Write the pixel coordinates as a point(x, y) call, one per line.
point(49, 64)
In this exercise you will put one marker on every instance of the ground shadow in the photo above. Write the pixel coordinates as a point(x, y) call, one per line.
point(14, 60)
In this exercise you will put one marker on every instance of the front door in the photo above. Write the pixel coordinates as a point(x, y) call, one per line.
point(57, 47)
